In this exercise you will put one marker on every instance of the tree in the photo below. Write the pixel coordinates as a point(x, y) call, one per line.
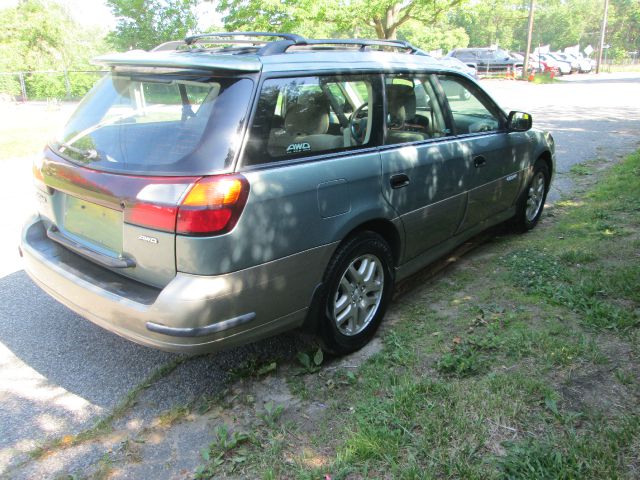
point(41, 35)
point(624, 26)
point(144, 24)
point(382, 18)
point(441, 36)
point(38, 35)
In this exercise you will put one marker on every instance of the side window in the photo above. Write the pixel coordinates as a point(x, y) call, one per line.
point(305, 116)
point(413, 112)
point(472, 113)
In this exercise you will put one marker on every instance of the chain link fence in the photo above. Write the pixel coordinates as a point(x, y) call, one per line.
point(48, 84)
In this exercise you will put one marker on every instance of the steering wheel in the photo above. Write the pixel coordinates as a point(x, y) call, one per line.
point(358, 133)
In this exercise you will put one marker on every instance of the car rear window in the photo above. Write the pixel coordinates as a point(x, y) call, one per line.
point(161, 124)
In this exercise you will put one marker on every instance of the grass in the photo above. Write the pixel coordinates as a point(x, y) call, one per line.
point(621, 68)
point(26, 128)
point(522, 362)
point(544, 78)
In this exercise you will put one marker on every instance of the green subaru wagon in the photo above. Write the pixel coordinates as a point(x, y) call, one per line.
point(228, 187)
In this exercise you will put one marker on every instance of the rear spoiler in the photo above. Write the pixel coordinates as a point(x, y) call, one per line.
point(181, 59)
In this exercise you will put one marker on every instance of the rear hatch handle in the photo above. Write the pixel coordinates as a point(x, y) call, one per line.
point(100, 258)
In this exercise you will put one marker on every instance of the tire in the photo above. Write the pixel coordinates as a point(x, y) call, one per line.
point(531, 202)
point(350, 316)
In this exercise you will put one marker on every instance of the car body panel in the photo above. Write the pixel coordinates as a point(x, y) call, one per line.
point(188, 301)
point(154, 259)
point(432, 204)
point(283, 215)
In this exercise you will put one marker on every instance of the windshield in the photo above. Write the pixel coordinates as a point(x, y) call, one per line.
point(162, 124)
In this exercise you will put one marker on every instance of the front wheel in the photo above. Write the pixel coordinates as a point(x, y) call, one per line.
point(358, 287)
point(531, 202)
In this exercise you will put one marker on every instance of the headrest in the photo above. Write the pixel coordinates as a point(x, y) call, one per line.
point(401, 103)
point(309, 116)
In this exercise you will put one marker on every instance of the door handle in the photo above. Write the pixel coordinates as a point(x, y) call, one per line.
point(479, 161)
point(398, 181)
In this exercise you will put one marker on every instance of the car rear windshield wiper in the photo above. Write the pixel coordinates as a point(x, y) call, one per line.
point(87, 154)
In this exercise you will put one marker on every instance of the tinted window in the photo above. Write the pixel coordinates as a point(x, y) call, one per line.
point(472, 112)
point(466, 56)
point(310, 115)
point(160, 124)
point(413, 113)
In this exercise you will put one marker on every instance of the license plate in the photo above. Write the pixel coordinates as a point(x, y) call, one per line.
point(94, 223)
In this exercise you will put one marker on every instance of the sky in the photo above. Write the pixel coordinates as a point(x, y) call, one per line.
point(95, 12)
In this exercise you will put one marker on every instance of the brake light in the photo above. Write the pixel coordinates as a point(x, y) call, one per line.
point(158, 217)
point(212, 205)
point(209, 205)
point(38, 177)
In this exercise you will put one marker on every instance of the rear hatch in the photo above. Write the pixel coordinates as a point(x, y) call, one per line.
point(145, 157)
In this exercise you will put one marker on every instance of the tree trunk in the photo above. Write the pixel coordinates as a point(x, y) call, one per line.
point(394, 17)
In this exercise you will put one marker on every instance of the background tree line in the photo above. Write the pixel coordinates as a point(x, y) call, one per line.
point(38, 35)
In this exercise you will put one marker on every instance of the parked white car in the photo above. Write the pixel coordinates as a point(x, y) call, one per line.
point(563, 67)
point(584, 64)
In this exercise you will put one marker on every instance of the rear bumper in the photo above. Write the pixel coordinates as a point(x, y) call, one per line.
point(192, 314)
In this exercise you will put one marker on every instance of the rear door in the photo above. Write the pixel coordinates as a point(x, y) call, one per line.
point(421, 167)
point(493, 159)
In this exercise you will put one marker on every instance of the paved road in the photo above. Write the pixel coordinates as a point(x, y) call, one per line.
point(58, 372)
point(590, 116)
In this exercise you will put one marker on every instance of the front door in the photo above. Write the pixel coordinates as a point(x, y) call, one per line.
point(421, 167)
point(492, 157)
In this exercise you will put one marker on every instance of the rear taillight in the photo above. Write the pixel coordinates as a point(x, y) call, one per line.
point(38, 178)
point(204, 206)
point(212, 205)
point(158, 217)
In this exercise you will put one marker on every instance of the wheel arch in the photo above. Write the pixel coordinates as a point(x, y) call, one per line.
point(386, 229)
point(389, 231)
point(545, 156)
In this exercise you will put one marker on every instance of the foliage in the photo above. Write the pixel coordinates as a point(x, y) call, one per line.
point(144, 24)
point(436, 36)
point(41, 35)
point(624, 26)
point(357, 18)
point(444, 24)
point(311, 365)
point(37, 35)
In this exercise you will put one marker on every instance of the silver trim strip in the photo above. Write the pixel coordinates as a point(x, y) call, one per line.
point(201, 331)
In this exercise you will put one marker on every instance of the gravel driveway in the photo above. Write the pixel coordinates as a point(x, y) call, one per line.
point(59, 372)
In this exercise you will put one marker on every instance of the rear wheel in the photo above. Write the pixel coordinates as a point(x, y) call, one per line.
point(358, 286)
point(531, 203)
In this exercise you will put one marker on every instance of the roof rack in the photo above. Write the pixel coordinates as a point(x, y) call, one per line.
point(282, 44)
point(204, 36)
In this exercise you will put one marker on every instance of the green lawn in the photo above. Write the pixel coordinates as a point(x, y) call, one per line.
point(521, 361)
point(26, 128)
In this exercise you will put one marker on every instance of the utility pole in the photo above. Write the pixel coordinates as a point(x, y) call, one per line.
point(525, 67)
point(602, 33)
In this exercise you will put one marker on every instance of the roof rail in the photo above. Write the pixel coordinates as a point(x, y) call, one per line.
point(204, 36)
point(363, 43)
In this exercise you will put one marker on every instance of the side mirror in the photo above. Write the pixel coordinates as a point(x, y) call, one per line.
point(519, 121)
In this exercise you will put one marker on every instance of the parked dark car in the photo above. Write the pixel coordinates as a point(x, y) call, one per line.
point(487, 60)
